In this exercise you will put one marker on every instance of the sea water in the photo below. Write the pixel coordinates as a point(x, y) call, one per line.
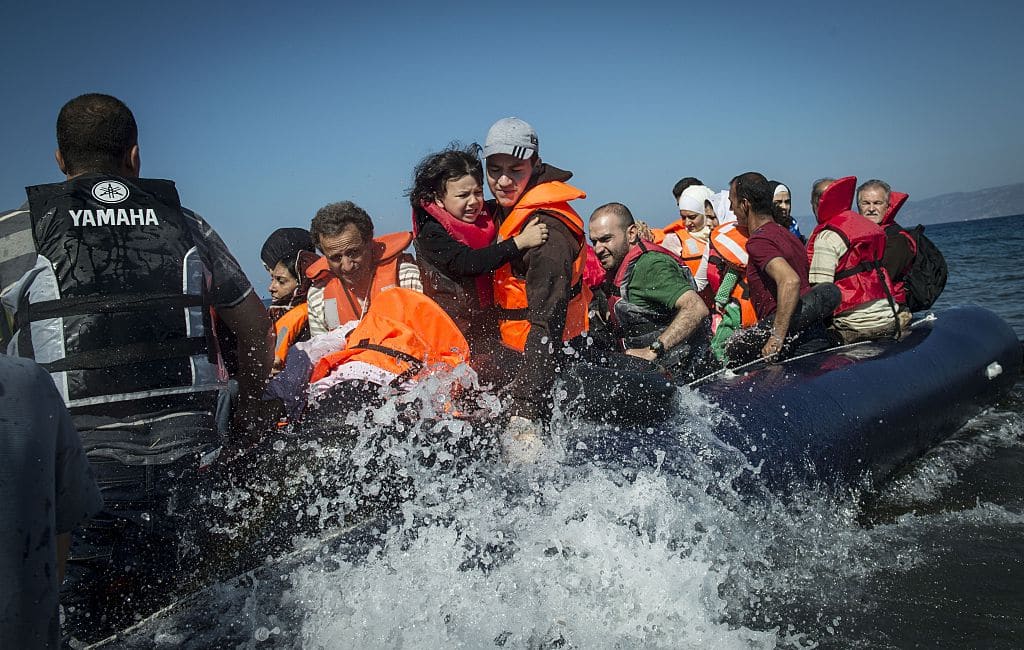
point(553, 555)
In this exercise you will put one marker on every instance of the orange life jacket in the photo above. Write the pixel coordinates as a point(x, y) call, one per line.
point(340, 304)
point(287, 329)
point(727, 249)
point(404, 333)
point(510, 291)
point(691, 248)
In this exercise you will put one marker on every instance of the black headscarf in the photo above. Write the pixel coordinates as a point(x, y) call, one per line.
point(284, 245)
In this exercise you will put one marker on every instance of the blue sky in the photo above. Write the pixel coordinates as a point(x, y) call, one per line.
point(263, 112)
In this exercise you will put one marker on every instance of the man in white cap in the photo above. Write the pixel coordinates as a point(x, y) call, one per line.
point(541, 297)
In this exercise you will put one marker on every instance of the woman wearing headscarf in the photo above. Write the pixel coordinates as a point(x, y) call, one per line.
point(283, 255)
point(782, 201)
point(720, 275)
point(688, 237)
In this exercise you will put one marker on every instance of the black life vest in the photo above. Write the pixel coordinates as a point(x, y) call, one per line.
point(116, 306)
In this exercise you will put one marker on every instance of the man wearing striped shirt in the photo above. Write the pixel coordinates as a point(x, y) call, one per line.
point(354, 267)
point(110, 284)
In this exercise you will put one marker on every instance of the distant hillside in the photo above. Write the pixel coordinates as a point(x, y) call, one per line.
point(965, 206)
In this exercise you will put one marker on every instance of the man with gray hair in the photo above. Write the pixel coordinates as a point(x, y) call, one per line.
point(874, 201)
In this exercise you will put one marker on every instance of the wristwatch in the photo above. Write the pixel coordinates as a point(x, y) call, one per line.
point(658, 348)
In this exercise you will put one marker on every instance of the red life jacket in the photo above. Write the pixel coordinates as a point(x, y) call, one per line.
point(624, 274)
point(894, 231)
point(859, 274)
point(339, 301)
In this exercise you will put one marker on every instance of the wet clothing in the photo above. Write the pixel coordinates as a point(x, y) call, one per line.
point(46, 489)
point(655, 283)
point(642, 296)
point(403, 335)
point(547, 272)
point(142, 377)
point(770, 241)
point(806, 328)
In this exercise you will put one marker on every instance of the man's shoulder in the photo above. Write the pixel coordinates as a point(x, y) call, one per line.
point(21, 376)
point(771, 237)
point(17, 245)
point(659, 266)
point(830, 239)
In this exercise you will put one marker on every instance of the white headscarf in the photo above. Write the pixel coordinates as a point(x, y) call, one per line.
point(720, 204)
point(693, 198)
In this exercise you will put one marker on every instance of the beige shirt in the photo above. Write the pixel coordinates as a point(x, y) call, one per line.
point(828, 248)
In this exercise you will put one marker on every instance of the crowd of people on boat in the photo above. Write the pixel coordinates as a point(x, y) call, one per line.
point(137, 349)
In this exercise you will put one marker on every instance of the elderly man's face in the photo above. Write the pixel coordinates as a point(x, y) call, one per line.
point(348, 254)
point(611, 240)
point(873, 203)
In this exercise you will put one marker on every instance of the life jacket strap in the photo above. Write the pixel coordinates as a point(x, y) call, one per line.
point(129, 354)
point(98, 304)
point(415, 365)
point(863, 267)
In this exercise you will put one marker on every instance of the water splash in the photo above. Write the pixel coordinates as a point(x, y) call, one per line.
point(405, 529)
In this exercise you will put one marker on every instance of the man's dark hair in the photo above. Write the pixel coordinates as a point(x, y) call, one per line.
point(431, 176)
point(94, 134)
point(754, 187)
point(333, 218)
point(682, 184)
point(620, 211)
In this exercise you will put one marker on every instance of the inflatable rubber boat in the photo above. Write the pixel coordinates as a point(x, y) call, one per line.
point(840, 415)
point(836, 417)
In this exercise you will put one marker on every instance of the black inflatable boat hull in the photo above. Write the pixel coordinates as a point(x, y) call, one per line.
point(841, 415)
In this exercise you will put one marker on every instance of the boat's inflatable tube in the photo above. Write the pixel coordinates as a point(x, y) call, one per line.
point(858, 411)
point(872, 407)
